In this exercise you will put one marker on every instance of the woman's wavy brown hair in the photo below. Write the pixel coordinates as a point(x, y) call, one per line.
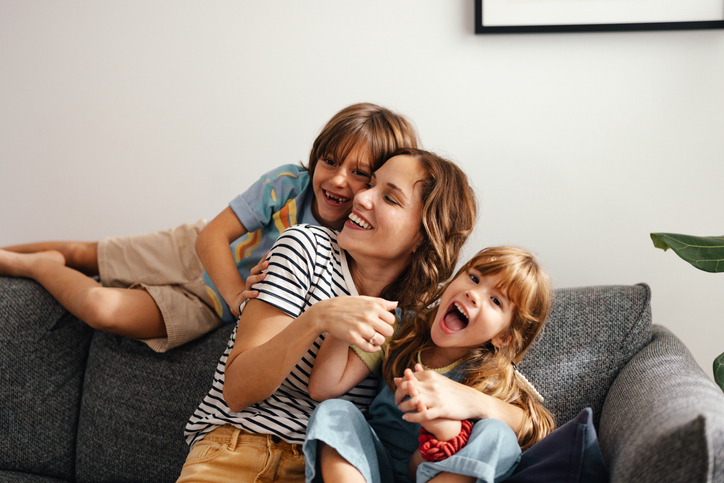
point(487, 368)
point(448, 216)
point(377, 129)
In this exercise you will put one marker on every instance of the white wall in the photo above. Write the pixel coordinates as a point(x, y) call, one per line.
point(121, 117)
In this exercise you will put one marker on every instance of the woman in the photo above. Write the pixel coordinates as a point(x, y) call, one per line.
point(402, 239)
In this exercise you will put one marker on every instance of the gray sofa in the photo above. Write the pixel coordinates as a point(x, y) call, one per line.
point(82, 405)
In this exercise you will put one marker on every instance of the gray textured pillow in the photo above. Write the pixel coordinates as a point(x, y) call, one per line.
point(136, 403)
point(663, 409)
point(42, 360)
point(591, 334)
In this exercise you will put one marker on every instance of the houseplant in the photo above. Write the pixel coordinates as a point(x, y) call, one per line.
point(705, 253)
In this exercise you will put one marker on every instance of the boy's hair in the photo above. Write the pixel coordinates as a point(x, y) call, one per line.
point(449, 209)
point(380, 131)
point(487, 368)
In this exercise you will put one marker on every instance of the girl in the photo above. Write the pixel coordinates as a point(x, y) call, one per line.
point(400, 241)
point(487, 318)
point(189, 280)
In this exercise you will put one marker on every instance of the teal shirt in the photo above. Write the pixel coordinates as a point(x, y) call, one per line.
point(281, 198)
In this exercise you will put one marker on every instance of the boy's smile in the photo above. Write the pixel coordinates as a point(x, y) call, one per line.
point(335, 182)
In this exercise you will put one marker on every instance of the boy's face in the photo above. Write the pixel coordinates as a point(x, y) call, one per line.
point(472, 312)
point(335, 182)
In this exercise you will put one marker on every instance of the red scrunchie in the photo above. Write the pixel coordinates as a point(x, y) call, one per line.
point(434, 450)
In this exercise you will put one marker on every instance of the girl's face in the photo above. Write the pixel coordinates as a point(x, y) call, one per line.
point(386, 218)
point(335, 183)
point(472, 312)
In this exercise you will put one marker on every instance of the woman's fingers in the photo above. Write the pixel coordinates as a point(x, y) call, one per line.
point(362, 321)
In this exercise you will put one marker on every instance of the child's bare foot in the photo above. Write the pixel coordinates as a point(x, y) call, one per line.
point(21, 264)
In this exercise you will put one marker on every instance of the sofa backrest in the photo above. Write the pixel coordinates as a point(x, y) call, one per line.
point(130, 404)
point(42, 360)
point(591, 334)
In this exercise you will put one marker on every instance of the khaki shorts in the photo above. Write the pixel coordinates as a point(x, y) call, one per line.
point(164, 264)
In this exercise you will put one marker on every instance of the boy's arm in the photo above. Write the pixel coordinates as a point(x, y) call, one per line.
point(212, 247)
point(337, 369)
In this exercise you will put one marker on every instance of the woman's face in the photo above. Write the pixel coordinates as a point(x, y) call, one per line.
point(386, 218)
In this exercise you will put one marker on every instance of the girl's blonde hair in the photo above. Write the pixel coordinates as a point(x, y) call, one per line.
point(487, 368)
point(449, 209)
point(377, 129)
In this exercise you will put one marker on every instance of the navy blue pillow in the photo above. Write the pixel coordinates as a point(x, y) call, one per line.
point(569, 454)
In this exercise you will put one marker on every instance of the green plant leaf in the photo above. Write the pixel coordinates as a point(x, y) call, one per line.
point(704, 252)
point(719, 371)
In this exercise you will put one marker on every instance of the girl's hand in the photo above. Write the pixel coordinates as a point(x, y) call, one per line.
point(358, 320)
point(444, 398)
point(439, 396)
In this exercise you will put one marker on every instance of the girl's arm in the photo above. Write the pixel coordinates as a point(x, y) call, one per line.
point(442, 428)
point(212, 247)
point(445, 398)
point(269, 342)
point(336, 370)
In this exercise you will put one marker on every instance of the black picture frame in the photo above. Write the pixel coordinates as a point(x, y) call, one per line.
point(588, 26)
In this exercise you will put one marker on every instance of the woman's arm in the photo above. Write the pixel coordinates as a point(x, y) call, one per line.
point(269, 342)
point(212, 247)
point(445, 398)
point(268, 345)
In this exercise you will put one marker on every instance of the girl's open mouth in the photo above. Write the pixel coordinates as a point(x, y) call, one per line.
point(455, 318)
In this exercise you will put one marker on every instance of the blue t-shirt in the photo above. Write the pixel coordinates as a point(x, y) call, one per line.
point(281, 198)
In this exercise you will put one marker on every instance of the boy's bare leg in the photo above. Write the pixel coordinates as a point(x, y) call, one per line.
point(83, 256)
point(131, 313)
point(335, 468)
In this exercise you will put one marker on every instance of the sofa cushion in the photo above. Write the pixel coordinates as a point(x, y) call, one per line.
point(15, 477)
point(681, 436)
point(591, 334)
point(43, 350)
point(570, 454)
point(136, 403)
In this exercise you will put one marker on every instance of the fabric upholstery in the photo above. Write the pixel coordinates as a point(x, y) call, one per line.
point(64, 386)
point(42, 361)
point(590, 335)
point(136, 403)
point(663, 409)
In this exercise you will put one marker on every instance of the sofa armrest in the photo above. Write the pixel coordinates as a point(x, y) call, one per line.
point(663, 418)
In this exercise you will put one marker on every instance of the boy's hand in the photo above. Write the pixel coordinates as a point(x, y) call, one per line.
point(255, 275)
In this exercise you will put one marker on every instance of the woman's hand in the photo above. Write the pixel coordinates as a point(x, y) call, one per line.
point(357, 320)
point(442, 397)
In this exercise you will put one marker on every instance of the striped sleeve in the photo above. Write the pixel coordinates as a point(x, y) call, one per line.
point(291, 271)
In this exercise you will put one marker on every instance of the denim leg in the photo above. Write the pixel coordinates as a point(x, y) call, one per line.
point(491, 455)
point(342, 426)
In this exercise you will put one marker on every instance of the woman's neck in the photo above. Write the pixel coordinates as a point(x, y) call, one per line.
point(369, 278)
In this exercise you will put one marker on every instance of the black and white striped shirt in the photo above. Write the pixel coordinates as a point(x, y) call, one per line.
point(306, 266)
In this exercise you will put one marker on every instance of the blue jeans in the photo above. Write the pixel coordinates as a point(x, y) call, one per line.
point(491, 454)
